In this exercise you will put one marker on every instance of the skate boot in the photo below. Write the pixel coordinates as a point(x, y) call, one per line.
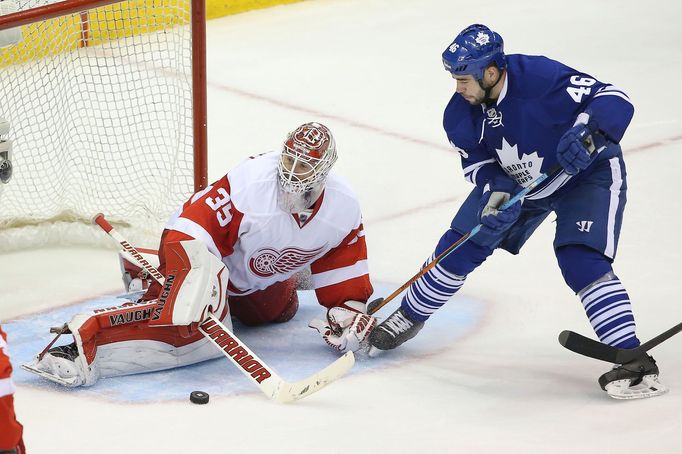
point(634, 380)
point(61, 365)
point(392, 332)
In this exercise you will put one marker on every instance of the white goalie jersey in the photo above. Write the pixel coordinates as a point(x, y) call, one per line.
point(239, 219)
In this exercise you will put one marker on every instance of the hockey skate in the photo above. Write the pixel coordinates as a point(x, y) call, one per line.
point(61, 365)
point(636, 379)
point(392, 332)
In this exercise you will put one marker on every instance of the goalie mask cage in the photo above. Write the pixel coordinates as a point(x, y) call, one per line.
point(106, 104)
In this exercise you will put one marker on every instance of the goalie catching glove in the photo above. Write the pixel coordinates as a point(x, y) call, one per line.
point(347, 327)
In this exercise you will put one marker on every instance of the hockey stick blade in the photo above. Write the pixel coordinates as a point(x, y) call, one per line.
point(374, 305)
point(289, 392)
point(595, 349)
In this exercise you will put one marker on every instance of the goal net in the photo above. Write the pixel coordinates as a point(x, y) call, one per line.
point(104, 105)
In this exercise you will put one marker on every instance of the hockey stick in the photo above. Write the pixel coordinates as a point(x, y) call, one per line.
point(595, 349)
point(236, 351)
point(377, 304)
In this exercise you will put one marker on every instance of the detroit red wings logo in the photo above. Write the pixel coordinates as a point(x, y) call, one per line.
point(267, 262)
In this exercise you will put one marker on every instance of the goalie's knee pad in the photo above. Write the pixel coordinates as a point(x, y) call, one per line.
point(196, 283)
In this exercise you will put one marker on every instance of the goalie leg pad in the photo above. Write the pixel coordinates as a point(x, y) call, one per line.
point(118, 341)
point(196, 283)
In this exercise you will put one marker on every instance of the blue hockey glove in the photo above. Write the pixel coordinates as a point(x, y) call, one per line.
point(495, 193)
point(578, 147)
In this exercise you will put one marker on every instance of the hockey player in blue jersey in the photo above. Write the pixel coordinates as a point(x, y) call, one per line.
point(513, 118)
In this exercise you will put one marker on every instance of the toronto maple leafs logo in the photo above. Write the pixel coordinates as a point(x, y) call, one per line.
point(267, 262)
point(523, 169)
point(482, 38)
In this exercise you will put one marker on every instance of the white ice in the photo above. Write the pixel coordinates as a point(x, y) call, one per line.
point(371, 71)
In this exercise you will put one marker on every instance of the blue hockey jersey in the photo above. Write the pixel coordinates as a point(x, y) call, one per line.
point(518, 135)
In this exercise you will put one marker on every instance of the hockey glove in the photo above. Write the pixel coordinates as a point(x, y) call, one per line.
point(495, 193)
point(347, 327)
point(579, 146)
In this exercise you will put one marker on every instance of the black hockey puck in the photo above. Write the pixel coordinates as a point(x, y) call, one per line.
point(198, 397)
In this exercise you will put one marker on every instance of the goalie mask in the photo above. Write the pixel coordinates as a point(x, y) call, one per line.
point(308, 154)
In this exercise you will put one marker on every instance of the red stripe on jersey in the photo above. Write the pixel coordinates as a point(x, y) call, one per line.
point(350, 251)
point(358, 289)
point(10, 430)
point(5, 365)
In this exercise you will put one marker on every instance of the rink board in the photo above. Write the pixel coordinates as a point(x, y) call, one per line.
point(292, 349)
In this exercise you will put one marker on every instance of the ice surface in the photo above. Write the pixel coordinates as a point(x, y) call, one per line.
point(371, 71)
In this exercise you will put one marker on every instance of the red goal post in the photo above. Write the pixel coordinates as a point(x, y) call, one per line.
point(106, 103)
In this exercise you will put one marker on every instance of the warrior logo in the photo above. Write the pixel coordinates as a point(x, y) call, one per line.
point(584, 226)
point(267, 262)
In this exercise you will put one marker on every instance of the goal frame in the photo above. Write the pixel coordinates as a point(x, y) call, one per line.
point(199, 103)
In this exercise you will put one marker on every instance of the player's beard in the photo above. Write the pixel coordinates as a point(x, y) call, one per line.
point(477, 100)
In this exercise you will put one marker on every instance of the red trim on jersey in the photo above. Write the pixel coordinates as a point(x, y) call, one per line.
point(358, 289)
point(10, 430)
point(349, 252)
point(200, 212)
point(316, 208)
point(213, 209)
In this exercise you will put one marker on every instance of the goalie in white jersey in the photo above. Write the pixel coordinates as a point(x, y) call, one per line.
point(241, 245)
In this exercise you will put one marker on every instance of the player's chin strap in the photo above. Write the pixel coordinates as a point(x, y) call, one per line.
point(486, 99)
point(236, 351)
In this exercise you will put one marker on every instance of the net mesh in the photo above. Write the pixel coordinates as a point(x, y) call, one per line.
point(100, 111)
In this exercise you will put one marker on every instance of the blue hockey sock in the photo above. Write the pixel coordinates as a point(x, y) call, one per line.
point(607, 305)
point(437, 286)
point(430, 292)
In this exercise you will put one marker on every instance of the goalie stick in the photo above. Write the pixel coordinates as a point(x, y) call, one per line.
point(250, 364)
point(595, 349)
